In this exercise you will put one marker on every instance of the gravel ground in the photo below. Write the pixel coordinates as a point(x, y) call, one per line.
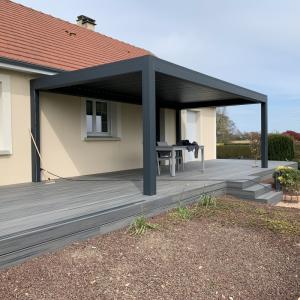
point(289, 204)
point(215, 255)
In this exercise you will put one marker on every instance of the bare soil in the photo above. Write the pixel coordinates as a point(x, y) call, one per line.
point(236, 250)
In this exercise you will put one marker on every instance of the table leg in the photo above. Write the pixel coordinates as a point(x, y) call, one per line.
point(202, 159)
point(173, 163)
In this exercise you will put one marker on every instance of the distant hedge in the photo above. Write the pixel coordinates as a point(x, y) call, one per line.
point(281, 147)
point(234, 151)
point(297, 151)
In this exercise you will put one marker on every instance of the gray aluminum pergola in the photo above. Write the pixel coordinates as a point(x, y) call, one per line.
point(154, 84)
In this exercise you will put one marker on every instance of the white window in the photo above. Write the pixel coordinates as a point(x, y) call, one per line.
point(5, 116)
point(98, 118)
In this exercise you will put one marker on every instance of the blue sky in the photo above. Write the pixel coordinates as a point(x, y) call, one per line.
point(254, 43)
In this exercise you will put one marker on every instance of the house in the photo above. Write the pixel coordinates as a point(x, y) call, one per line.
point(79, 134)
point(89, 108)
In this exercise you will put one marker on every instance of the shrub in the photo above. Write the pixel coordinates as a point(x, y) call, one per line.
point(255, 145)
point(289, 178)
point(234, 151)
point(292, 134)
point(281, 147)
point(297, 151)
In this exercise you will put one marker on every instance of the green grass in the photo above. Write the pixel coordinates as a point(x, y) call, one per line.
point(245, 214)
point(182, 213)
point(207, 200)
point(229, 212)
point(281, 225)
point(140, 226)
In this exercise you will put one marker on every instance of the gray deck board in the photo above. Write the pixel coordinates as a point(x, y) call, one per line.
point(39, 216)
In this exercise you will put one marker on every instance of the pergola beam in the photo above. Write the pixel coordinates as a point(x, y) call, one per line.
point(183, 73)
point(89, 75)
point(216, 103)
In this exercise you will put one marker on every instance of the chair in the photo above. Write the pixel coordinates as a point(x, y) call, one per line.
point(167, 155)
point(163, 156)
point(179, 159)
point(178, 156)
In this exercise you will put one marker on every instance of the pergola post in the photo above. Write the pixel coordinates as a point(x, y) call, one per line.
point(35, 131)
point(264, 134)
point(178, 125)
point(149, 129)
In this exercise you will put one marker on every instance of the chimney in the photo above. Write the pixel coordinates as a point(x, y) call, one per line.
point(86, 22)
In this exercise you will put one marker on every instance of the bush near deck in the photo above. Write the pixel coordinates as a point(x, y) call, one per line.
point(297, 153)
point(281, 147)
point(234, 151)
point(242, 150)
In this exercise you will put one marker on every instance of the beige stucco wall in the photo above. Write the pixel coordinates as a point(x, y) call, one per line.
point(63, 149)
point(206, 133)
point(16, 168)
point(170, 126)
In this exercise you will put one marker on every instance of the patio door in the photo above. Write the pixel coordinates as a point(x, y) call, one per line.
point(192, 131)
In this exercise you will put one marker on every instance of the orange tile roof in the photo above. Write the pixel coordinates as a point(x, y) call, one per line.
point(30, 36)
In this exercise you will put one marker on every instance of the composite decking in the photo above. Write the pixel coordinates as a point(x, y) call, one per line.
point(37, 217)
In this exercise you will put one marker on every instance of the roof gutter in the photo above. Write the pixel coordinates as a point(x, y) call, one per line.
point(15, 65)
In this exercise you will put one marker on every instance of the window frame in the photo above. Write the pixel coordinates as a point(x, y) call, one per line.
point(93, 133)
point(5, 116)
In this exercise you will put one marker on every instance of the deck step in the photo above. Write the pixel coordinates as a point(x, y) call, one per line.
point(258, 189)
point(251, 191)
point(238, 184)
point(271, 197)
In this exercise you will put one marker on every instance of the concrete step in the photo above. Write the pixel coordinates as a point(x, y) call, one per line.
point(271, 197)
point(241, 184)
point(250, 192)
point(257, 190)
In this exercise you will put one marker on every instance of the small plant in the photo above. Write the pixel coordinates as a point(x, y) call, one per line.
point(280, 225)
point(140, 226)
point(207, 200)
point(182, 213)
point(289, 178)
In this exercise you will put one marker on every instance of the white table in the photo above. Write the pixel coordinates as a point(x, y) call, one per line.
point(173, 150)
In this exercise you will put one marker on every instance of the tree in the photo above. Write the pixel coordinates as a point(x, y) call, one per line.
point(226, 128)
point(254, 138)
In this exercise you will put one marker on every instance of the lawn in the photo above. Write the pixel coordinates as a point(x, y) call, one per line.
point(230, 249)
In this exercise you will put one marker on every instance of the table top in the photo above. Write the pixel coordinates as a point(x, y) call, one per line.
point(174, 147)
